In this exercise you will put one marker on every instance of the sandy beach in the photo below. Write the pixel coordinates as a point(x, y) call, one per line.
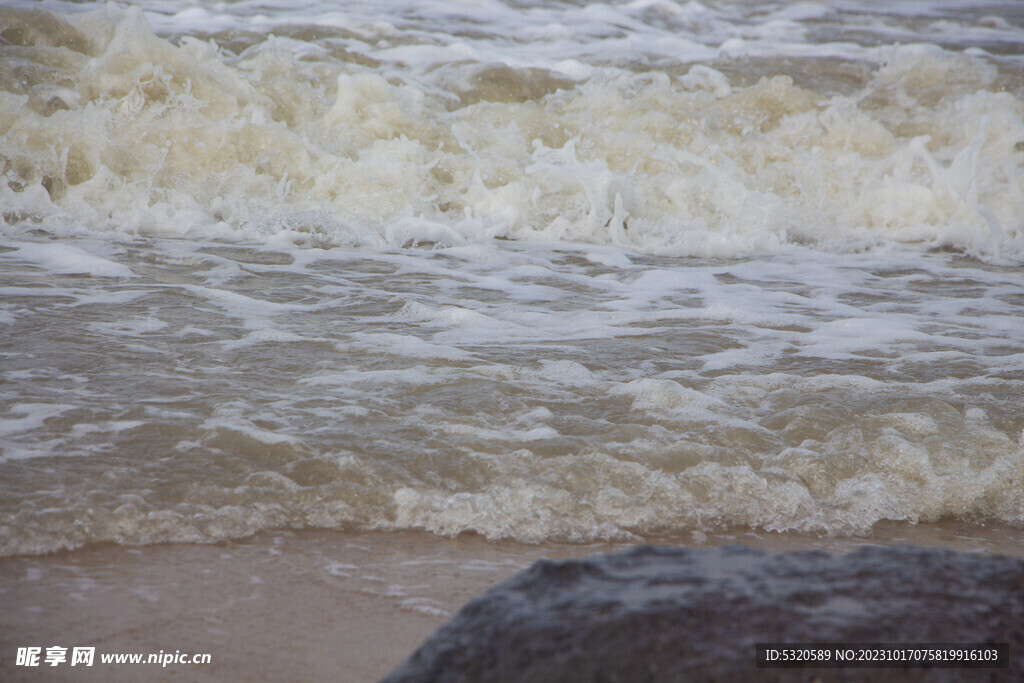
point(315, 605)
point(310, 605)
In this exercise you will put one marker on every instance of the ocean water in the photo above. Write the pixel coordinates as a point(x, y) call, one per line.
point(543, 271)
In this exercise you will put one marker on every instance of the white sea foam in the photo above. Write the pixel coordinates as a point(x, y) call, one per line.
point(67, 259)
point(441, 144)
point(32, 416)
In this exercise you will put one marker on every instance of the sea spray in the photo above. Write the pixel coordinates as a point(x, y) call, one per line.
point(108, 127)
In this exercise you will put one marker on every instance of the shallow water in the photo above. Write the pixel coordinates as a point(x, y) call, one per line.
point(539, 271)
point(524, 391)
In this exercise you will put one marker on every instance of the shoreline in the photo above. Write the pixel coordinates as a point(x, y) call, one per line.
point(313, 604)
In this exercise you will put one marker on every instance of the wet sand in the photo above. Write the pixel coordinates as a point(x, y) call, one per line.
point(309, 605)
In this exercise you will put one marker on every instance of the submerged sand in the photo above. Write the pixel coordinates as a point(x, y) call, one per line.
point(309, 605)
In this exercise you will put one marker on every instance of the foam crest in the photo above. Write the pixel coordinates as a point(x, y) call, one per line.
point(128, 132)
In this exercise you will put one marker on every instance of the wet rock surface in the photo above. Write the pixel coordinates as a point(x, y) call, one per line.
point(671, 614)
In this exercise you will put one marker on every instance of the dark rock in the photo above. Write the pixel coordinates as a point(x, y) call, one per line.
point(672, 614)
